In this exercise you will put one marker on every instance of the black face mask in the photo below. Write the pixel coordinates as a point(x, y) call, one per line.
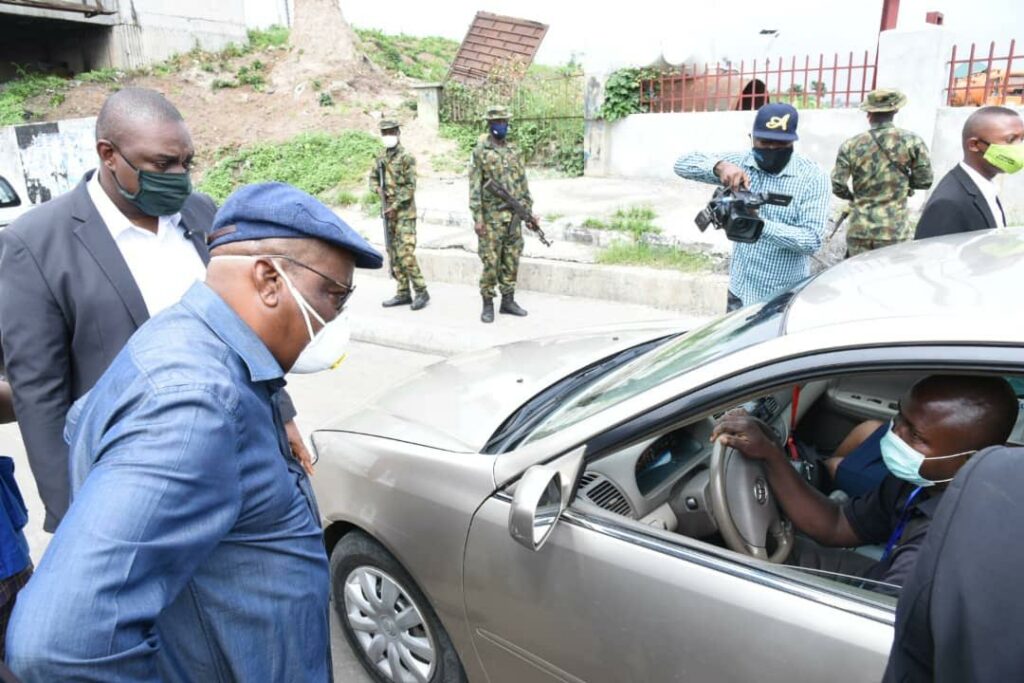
point(772, 160)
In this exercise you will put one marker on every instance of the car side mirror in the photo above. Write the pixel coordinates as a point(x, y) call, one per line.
point(536, 506)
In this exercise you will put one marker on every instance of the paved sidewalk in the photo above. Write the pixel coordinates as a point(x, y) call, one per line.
point(450, 324)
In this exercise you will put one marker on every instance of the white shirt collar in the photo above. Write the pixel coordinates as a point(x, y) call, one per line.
point(989, 190)
point(983, 183)
point(117, 223)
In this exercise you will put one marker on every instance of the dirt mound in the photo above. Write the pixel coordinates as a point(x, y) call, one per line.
point(315, 85)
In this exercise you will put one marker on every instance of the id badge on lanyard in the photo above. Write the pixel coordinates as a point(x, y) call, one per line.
point(902, 525)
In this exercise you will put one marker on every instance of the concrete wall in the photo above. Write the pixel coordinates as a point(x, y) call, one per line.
point(265, 13)
point(152, 30)
point(647, 145)
point(43, 160)
point(140, 32)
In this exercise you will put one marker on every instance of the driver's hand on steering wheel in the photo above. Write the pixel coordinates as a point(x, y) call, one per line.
point(746, 434)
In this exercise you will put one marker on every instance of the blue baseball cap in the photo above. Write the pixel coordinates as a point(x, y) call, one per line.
point(276, 210)
point(776, 121)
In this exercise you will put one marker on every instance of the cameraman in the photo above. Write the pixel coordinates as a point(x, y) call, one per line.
point(780, 258)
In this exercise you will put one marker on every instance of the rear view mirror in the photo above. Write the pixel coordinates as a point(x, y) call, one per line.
point(536, 506)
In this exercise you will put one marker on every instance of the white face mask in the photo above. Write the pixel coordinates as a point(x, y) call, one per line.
point(327, 348)
point(390, 141)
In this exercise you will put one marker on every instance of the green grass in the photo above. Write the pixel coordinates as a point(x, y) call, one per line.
point(327, 166)
point(654, 256)
point(273, 37)
point(14, 94)
point(108, 75)
point(636, 220)
point(422, 58)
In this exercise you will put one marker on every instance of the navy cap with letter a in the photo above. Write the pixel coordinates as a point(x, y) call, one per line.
point(776, 121)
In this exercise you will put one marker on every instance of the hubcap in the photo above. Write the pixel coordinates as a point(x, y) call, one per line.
point(389, 627)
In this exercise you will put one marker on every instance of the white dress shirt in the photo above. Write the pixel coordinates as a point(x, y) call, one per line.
point(989, 191)
point(164, 265)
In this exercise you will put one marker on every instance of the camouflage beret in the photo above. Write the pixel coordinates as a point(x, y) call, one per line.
point(388, 124)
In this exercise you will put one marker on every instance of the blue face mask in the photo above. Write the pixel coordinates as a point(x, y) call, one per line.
point(905, 463)
point(499, 130)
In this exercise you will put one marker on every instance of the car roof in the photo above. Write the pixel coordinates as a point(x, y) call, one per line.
point(950, 285)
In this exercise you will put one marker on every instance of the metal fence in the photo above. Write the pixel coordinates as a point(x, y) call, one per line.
point(807, 84)
point(992, 77)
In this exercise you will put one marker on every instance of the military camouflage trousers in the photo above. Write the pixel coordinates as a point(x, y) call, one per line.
point(859, 245)
point(402, 256)
point(500, 250)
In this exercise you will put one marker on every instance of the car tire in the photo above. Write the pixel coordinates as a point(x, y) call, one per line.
point(363, 567)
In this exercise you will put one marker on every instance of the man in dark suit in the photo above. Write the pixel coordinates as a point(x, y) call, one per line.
point(966, 198)
point(79, 274)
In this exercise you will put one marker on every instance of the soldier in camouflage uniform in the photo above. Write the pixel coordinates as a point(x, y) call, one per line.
point(500, 247)
point(399, 198)
point(886, 165)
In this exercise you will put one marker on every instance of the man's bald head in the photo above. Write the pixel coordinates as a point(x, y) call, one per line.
point(131, 109)
point(981, 410)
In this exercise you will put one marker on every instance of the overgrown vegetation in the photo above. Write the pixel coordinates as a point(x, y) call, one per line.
point(422, 58)
point(546, 104)
point(15, 94)
point(330, 167)
point(622, 93)
point(654, 256)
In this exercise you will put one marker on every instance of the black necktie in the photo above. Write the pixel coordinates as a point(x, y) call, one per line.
point(1000, 205)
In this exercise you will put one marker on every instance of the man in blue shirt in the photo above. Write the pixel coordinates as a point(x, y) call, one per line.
point(781, 257)
point(15, 561)
point(192, 550)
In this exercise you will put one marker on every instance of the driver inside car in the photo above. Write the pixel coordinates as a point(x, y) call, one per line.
point(942, 421)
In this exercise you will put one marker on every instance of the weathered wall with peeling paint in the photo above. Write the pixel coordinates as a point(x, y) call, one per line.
point(44, 160)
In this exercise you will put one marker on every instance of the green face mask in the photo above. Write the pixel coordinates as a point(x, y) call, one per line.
point(160, 194)
point(1007, 158)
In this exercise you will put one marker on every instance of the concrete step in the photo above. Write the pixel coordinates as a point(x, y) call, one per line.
point(450, 324)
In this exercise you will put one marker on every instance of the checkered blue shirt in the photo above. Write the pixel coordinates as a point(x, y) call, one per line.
point(781, 258)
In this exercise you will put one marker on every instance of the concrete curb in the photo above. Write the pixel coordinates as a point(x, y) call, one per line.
point(700, 294)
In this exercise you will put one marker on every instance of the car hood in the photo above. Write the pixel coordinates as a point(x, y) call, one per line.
point(457, 404)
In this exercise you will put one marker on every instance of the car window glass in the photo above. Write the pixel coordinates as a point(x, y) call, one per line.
point(8, 197)
point(716, 339)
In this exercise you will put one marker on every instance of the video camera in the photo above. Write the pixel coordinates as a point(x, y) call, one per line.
point(735, 211)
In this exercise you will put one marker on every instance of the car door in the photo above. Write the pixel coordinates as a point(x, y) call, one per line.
point(608, 600)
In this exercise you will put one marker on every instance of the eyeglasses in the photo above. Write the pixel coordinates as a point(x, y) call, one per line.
point(342, 298)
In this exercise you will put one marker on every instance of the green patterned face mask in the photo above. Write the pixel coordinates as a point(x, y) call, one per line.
point(159, 194)
point(1007, 158)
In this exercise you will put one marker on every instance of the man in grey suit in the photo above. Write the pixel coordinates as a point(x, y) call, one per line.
point(79, 274)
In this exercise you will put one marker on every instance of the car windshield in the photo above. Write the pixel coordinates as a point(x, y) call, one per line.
point(718, 338)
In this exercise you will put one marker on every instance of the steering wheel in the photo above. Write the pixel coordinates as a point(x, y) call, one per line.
point(745, 508)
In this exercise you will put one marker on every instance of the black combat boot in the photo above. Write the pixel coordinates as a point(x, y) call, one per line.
point(397, 300)
point(421, 300)
point(487, 315)
point(509, 305)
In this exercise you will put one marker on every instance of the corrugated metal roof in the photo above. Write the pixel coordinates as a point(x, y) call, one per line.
point(493, 39)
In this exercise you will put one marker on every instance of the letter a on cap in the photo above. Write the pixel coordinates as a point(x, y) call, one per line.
point(777, 122)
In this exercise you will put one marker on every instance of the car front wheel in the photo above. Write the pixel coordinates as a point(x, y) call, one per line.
point(387, 620)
